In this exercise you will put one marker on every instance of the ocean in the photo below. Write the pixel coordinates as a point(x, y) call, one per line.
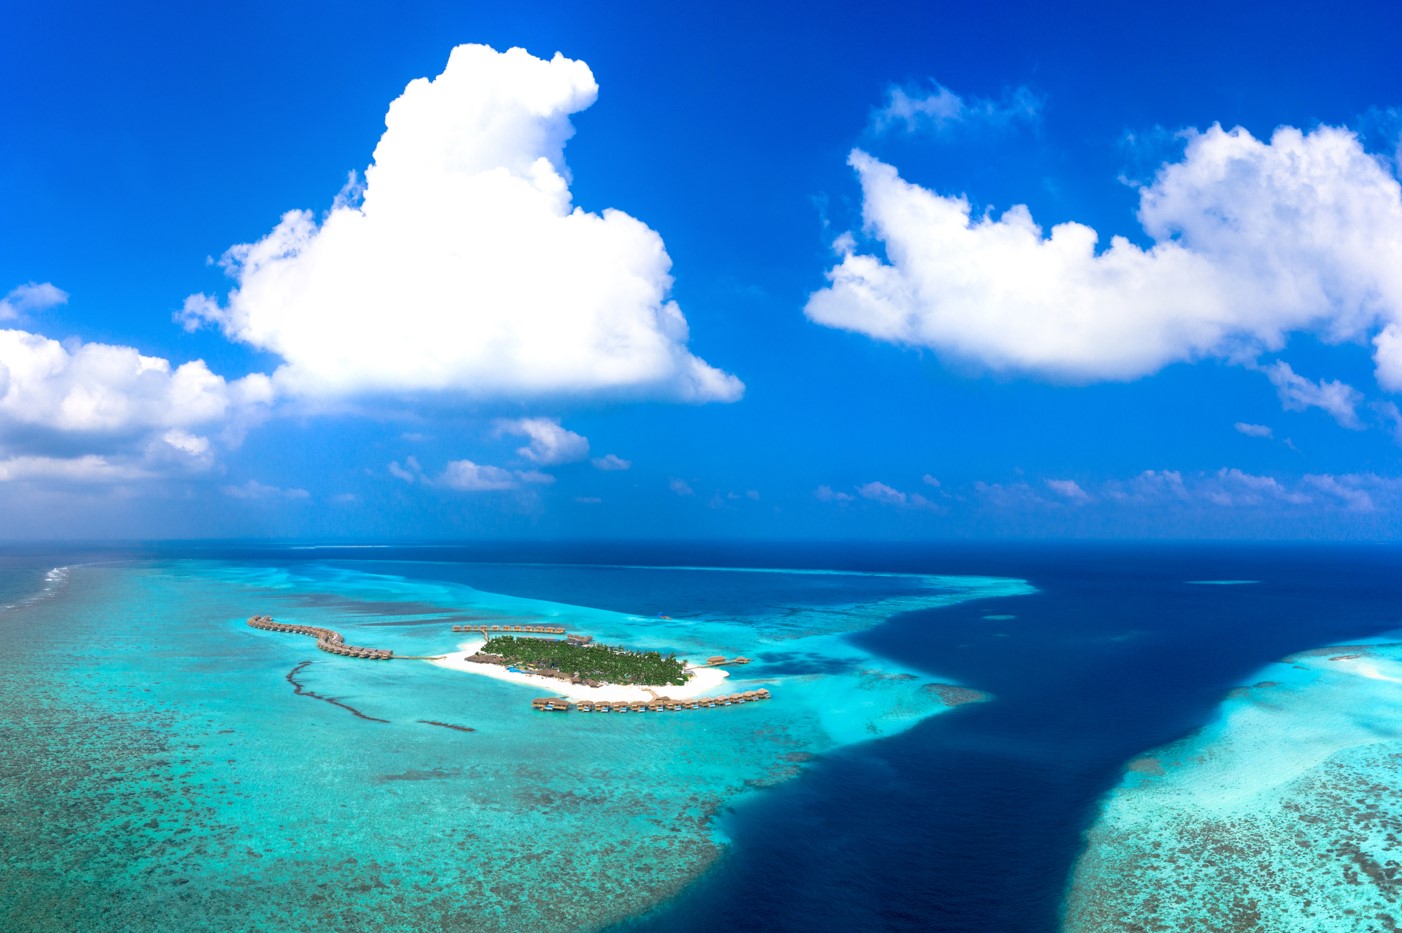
point(975, 738)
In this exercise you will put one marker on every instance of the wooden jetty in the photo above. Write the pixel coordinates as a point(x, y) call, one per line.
point(511, 629)
point(717, 660)
point(327, 639)
point(657, 705)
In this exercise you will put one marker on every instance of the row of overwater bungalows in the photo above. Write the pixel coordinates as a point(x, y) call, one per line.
point(507, 629)
point(659, 705)
point(326, 639)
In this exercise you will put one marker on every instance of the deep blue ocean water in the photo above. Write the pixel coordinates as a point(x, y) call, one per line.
point(972, 819)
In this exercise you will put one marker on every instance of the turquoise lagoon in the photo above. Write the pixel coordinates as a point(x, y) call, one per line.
point(1282, 814)
point(165, 767)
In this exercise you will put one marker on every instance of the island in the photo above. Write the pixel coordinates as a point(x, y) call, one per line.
point(581, 670)
point(583, 663)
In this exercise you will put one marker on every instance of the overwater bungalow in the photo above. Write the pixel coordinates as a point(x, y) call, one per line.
point(656, 706)
point(585, 706)
point(741, 660)
point(603, 706)
point(638, 706)
point(716, 659)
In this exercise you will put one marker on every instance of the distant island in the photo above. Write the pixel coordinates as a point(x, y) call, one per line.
point(583, 663)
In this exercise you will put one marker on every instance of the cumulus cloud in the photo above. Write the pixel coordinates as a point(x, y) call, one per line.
point(681, 487)
point(934, 108)
point(1297, 393)
point(611, 463)
point(549, 442)
point(1251, 240)
point(91, 410)
point(255, 490)
point(33, 296)
point(461, 265)
point(828, 494)
point(1253, 430)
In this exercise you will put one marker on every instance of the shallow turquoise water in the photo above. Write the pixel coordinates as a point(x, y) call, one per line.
point(1280, 815)
point(166, 767)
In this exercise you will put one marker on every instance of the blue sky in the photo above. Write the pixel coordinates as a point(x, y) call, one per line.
point(441, 348)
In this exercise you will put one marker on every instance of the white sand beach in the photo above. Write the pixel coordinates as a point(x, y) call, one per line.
point(703, 680)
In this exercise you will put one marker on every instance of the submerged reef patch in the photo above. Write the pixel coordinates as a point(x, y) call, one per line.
point(1285, 813)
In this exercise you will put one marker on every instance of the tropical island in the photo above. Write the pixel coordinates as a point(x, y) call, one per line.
point(583, 663)
point(581, 670)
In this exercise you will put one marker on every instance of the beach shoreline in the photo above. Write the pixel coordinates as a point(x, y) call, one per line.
point(703, 680)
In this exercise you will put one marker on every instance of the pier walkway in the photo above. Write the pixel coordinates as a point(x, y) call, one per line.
point(658, 705)
point(326, 639)
point(509, 629)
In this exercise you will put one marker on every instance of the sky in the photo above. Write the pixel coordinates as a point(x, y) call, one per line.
point(878, 271)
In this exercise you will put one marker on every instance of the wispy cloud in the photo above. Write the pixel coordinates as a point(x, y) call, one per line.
point(611, 463)
point(1338, 399)
point(254, 490)
point(1253, 430)
point(934, 108)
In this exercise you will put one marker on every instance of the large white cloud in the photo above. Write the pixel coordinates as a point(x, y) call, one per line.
point(92, 411)
point(1251, 240)
point(465, 267)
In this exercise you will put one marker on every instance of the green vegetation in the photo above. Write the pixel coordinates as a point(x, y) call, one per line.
point(591, 662)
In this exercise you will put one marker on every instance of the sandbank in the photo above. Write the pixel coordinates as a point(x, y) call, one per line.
point(703, 679)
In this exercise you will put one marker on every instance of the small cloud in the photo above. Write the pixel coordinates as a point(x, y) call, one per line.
point(550, 444)
point(680, 487)
point(33, 296)
point(535, 477)
point(1344, 489)
point(880, 492)
point(1391, 418)
point(1253, 430)
point(1297, 393)
point(1068, 489)
point(466, 476)
point(416, 437)
point(929, 480)
point(588, 500)
point(611, 463)
point(935, 109)
point(752, 495)
point(827, 494)
point(410, 472)
point(344, 498)
point(255, 490)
